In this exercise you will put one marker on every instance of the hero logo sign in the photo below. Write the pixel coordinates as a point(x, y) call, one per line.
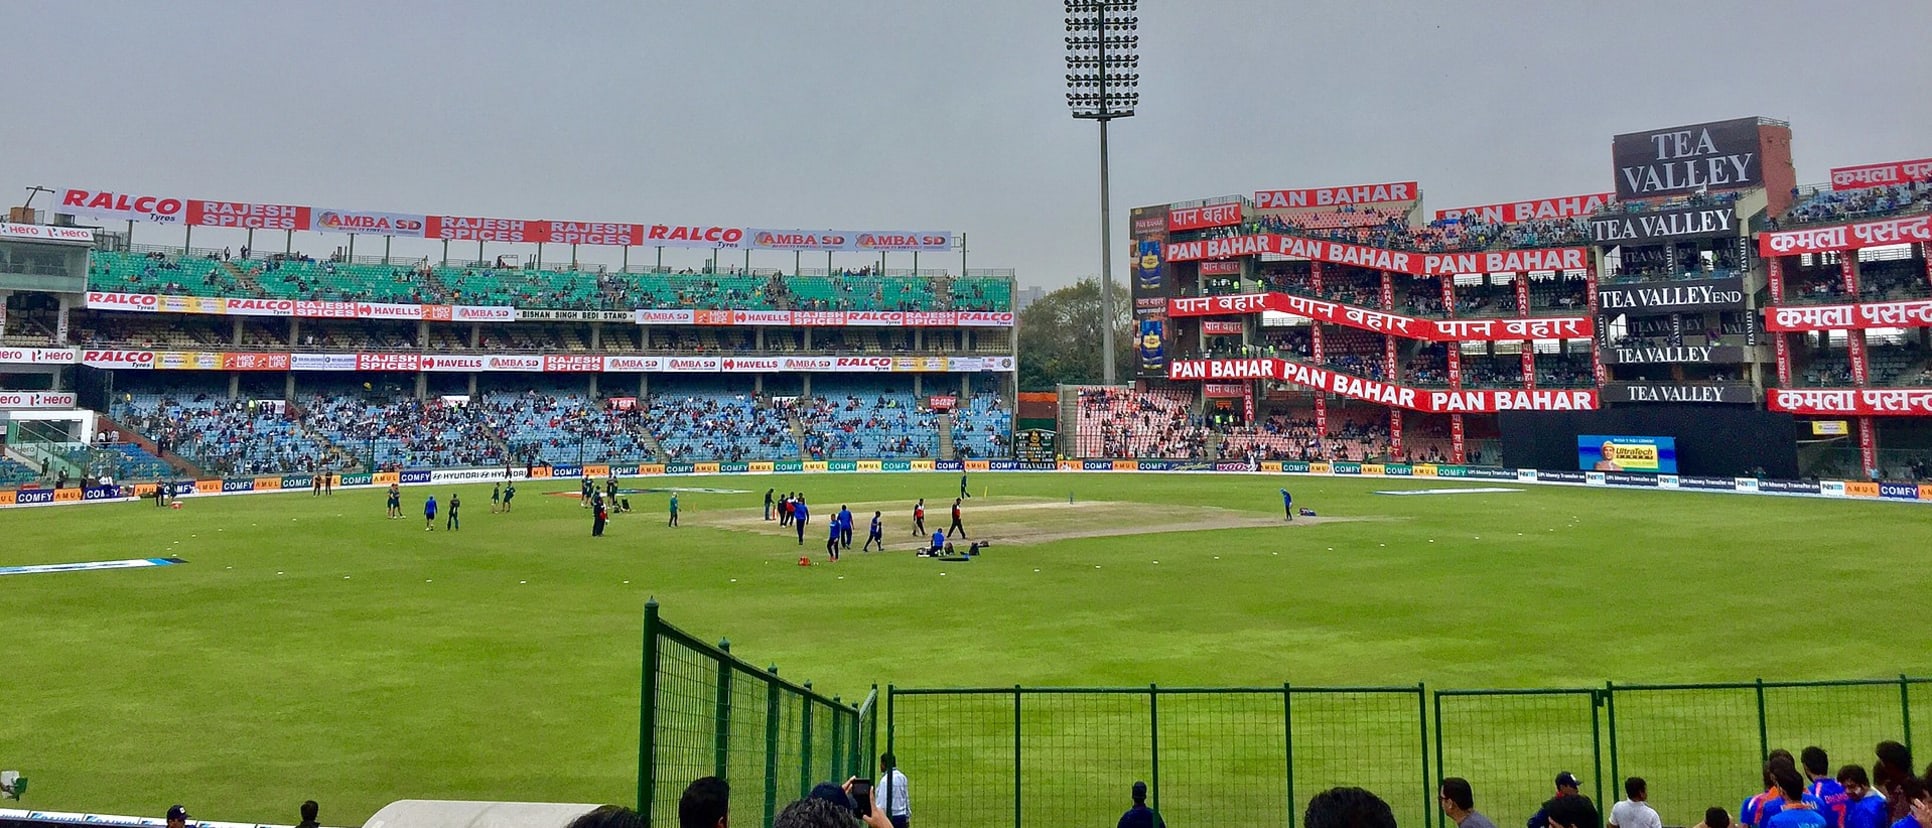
point(389, 362)
point(37, 356)
point(123, 301)
point(118, 359)
point(105, 203)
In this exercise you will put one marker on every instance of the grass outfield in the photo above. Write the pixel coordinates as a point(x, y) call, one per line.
point(311, 648)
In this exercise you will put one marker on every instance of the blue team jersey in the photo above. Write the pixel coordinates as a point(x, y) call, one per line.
point(799, 512)
point(1833, 795)
point(1907, 822)
point(1796, 817)
point(876, 527)
point(429, 506)
point(835, 528)
point(1869, 812)
point(845, 517)
point(938, 539)
point(1758, 810)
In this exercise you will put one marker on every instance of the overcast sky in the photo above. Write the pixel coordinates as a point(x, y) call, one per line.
point(921, 115)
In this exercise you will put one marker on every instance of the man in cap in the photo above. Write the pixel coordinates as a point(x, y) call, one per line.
point(1141, 816)
point(1566, 785)
point(178, 816)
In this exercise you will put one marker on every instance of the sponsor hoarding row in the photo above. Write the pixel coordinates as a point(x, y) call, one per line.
point(225, 306)
point(823, 319)
point(122, 205)
point(46, 233)
point(1743, 485)
point(1375, 258)
point(39, 356)
point(1541, 209)
point(1435, 401)
point(1869, 402)
point(37, 399)
point(536, 363)
point(1338, 196)
point(1433, 330)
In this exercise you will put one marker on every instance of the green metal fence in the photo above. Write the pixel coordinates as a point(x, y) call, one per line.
point(1237, 755)
point(705, 712)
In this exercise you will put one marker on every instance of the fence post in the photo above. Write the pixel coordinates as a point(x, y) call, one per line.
point(1422, 721)
point(872, 740)
point(1154, 732)
point(771, 746)
point(1905, 708)
point(1610, 707)
point(805, 745)
point(1016, 756)
point(647, 713)
point(722, 746)
point(1288, 744)
point(1764, 732)
point(1441, 819)
point(1596, 742)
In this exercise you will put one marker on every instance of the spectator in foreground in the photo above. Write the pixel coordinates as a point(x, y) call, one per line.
point(1575, 811)
point(822, 812)
point(178, 816)
point(1566, 787)
point(310, 811)
point(705, 804)
point(1139, 815)
point(1817, 768)
point(1715, 817)
point(1894, 765)
point(1798, 809)
point(1864, 808)
point(891, 792)
point(1458, 801)
point(1350, 808)
point(1635, 811)
point(1758, 808)
point(609, 816)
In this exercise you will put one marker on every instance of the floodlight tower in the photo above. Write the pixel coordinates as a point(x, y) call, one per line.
point(1103, 83)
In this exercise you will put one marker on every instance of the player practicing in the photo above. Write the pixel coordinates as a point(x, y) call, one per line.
point(583, 493)
point(785, 510)
point(845, 527)
point(875, 535)
point(496, 498)
point(395, 501)
point(832, 539)
point(956, 524)
point(768, 502)
point(454, 523)
point(938, 543)
point(919, 518)
point(674, 509)
point(1288, 504)
point(800, 514)
point(429, 514)
point(509, 494)
point(963, 494)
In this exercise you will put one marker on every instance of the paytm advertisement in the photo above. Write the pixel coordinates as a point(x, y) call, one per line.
point(1617, 452)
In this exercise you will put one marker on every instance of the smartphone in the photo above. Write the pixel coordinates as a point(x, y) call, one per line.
point(861, 794)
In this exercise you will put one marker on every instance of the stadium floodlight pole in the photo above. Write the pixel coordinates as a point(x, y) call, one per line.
point(1103, 83)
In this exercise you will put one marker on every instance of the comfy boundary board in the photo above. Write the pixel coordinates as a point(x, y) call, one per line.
point(1897, 492)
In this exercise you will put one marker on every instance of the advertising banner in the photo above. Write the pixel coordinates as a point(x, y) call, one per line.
point(1673, 297)
point(1394, 261)
point(1338, 196)
point(1724, 354)
point(249, 216)
point(1881, 175)
point(1620, 453)
point(122, 206)
point(1541, 209)
point(1846, 236)
point(1689, 392)
point(600, 233)
point(1911, 313)
point(1435, 330)
point(46, 233)
point(1382, 393)
point(1664, 225)
point(1180, 219)
point(1719, 155)
point(1873, 402)
point(478, 229)
point(37, 399)
point(39, 356)
point(370, 222)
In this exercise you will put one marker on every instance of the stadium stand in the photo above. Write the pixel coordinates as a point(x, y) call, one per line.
point(982, 427)
point(705, 421)
point(16, 474)
point(1823, 205)
point(1114, 422)
point(858, 419)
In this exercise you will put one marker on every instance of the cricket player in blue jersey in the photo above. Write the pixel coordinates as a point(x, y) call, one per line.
point(1288, 504)
point(876, 535)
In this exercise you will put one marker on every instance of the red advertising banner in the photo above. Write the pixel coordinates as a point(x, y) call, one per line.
point(1846, 236)
point(1868, 446)
point(389, 362)
point(1881, 175)
point(1855, 349)
point(254, 362)
point(1220, 268)
point(1774, 280)
point(1217, 327)
point(572, 364)
point(252, 216)
point(1457, 440)
point(1382, 393)
point(603, 233)
point(1338, 196)
point(218, 306)
point(1783, 349)
point(1201, 218)
point(1224, 390)
point(1414, 264)
point(1863, 402)
point(1910, 313)
point(1516, 212)
point(1435, 330)
point(472, 228)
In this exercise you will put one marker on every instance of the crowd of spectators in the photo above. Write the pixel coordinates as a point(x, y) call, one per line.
point(1123, 423)
point(1825, 205)
point(866, 422)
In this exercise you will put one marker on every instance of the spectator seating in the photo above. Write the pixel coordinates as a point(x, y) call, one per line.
point(220, 435)
point(713, 423)
point(1823, 205)
point(14, 474)
point(982, 427)
point(1115, 422)
point(866, 420)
